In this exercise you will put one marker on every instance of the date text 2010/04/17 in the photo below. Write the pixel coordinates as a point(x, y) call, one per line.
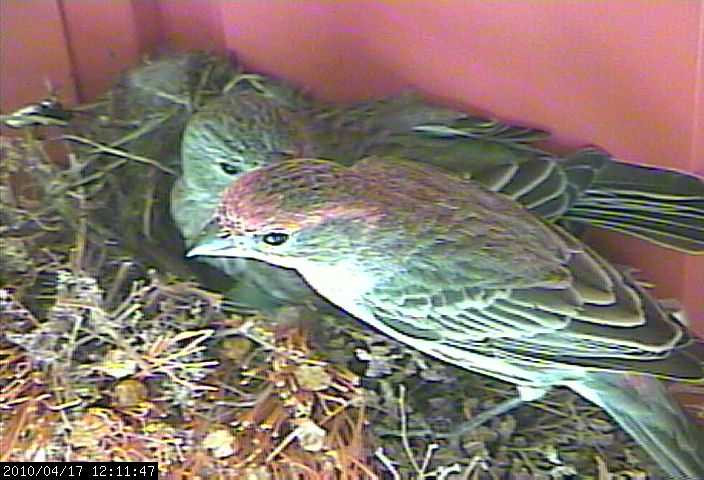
point(79, 470)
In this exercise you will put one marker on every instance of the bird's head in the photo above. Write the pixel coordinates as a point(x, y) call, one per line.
point(239, 132)
point(292, 214)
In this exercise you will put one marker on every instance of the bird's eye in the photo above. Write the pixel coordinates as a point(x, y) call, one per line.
point(230, 169)
point(275, 238)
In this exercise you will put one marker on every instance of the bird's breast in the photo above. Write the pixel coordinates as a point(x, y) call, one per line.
point(340, 284)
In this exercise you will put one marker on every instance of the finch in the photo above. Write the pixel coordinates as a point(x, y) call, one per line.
point(472, 278)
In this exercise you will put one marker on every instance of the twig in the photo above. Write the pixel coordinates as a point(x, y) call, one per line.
point(120, 153)
point(404, 429)
point(386, 461)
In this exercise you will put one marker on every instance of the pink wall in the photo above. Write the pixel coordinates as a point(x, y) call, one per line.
point(28, 59)
point(626, 75)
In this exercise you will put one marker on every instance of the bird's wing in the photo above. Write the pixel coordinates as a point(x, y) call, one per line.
point(588, 187)
point(662, 206)
point(601, 318)
point(544, 184)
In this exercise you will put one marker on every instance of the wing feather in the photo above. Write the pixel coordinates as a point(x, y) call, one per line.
point(601, 319)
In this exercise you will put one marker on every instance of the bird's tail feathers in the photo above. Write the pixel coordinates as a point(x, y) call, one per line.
point(663, 206)
point(642, 406)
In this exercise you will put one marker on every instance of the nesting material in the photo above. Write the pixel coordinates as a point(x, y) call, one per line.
point(110, 350)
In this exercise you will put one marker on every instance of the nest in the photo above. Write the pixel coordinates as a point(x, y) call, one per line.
point(114, 348)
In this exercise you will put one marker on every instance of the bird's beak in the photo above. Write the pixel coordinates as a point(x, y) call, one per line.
point(211, 242)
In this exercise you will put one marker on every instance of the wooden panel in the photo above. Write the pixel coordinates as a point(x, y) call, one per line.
point(104, 40)
point(693, 294)
point(80, 45)
point(32, 51)
point(148, 25)
point(193, 24)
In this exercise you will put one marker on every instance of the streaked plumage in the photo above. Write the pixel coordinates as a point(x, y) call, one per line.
point(470, 277)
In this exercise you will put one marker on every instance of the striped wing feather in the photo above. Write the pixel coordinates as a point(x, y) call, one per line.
point(601, 319)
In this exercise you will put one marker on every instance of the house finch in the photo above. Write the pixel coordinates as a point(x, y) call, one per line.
point(250, 127)
point(470, 277)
